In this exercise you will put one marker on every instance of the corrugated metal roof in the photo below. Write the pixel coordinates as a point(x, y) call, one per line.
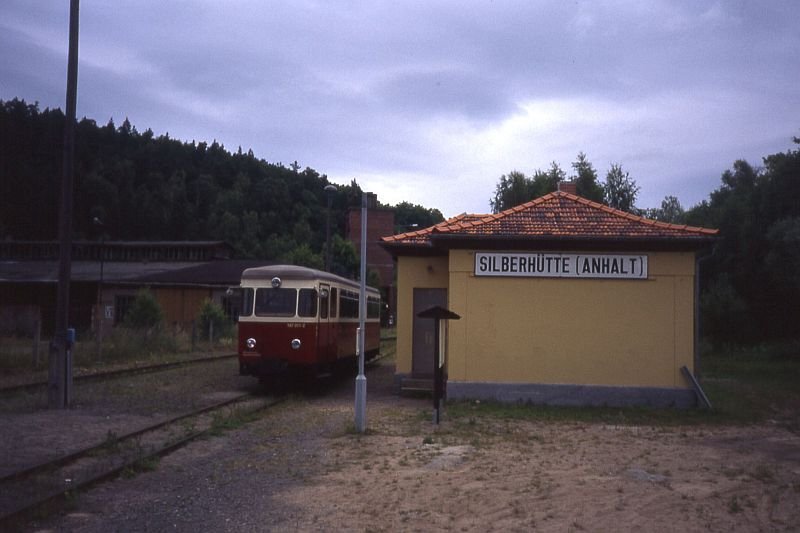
point(221, 272)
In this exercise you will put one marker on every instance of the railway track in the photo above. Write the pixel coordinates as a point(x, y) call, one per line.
point(121, 372)
point(51, 483)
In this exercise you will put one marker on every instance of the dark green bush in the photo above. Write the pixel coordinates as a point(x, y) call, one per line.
point(145, 312)
point(212, 313)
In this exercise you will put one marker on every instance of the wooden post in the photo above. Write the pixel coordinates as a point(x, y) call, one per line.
point(437, 371)
point(437, 314)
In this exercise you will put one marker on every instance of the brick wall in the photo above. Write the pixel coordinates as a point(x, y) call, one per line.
point(380, 223)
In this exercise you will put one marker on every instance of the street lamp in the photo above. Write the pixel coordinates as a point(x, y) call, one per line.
point(330, 192)
point(361, 379)
point(100, 314)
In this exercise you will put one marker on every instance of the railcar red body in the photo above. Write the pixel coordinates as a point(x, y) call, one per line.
point(297, 318)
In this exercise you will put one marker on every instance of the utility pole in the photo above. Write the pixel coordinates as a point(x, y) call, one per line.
point(60, 369)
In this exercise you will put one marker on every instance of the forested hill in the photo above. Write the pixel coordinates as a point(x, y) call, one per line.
point(144, 187)
point(155, 188)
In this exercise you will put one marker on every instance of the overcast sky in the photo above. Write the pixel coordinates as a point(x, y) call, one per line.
point(430, 102)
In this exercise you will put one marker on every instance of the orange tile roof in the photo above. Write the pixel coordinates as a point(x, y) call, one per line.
point(555, 216)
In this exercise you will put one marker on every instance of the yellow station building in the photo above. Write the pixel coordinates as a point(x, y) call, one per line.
point(562, 301)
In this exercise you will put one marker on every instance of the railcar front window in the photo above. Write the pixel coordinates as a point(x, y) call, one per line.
point(246, 309)
point(276, 302)
point(308, 303)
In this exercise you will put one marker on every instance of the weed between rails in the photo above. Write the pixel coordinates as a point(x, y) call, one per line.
point(237, 418)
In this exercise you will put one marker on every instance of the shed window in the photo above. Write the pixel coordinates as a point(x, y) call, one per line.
point(123, 303)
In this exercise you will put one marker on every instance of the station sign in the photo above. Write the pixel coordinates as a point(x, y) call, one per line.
point(560, 265)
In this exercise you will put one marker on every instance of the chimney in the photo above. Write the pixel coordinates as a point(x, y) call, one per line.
point(568, 186)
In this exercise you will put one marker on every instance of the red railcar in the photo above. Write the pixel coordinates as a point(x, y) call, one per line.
point(297, 318)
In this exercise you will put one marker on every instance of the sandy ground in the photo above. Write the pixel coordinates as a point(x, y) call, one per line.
point(301, 468)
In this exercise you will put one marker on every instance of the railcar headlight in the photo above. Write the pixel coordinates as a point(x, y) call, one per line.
point(276, 282)
point(296, 344)
point(251, 343)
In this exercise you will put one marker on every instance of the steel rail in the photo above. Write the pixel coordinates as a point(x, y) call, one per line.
point(60, 461)
point(127, 371)
point(15, 516)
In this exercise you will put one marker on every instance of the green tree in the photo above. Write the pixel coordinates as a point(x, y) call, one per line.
point(756, 211)
point(585, 179)
point(512, 189)
point(303, 255)
point(554, 175)
point(620, 190)
point(344, 258)
point(144, 312)
point(408, 216)
point(670, 211)
point(723, 311)
point(212, 319)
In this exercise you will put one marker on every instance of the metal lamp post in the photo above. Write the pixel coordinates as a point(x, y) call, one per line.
point(330, 192)
point(361, 379)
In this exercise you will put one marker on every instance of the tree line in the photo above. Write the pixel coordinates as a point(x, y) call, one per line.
point(619, 190)
point(751, 278)
point(138, 186)
point(146, 187)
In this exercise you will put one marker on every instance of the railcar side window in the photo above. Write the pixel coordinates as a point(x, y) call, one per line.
point(323, 303)
point(308, 303)
point(246, 307)
point(349, 304)
point(334, 301)
point(276, 302)
point(373, 307)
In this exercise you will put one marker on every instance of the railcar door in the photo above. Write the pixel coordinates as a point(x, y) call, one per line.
point(326, 342)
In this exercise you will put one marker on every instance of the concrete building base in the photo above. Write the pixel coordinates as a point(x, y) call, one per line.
point(572, 395)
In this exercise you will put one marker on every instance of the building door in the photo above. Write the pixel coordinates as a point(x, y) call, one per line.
point(423, 335)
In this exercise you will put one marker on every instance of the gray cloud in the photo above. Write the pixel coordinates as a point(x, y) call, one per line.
point(413, 97)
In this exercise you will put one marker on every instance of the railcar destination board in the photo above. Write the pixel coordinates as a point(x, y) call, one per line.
point(560, 265)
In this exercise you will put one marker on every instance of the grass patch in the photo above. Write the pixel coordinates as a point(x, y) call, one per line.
point(17, 353)
point(745, 386)
point(468, 414)
point(120, 346)
point(751, 385)
point(144, 464)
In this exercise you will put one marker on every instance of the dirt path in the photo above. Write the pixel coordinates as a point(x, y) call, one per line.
point(301, 468)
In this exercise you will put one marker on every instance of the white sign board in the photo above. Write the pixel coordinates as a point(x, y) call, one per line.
point(560, 265)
